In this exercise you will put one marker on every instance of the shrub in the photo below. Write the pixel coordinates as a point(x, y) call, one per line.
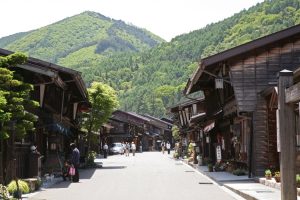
point(277, 176)
point(38, 183)
point(4, 192)
point(268, 172)
point(239, 172)
point(220, 166)
point(23, 186)
point(207, 161)
point(91, 158)
point(298, 178)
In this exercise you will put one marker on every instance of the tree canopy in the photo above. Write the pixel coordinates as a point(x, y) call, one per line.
point(103, 101)
point(14, 99)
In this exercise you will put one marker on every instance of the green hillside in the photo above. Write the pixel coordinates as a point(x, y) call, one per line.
point(88, 30)
point(150, 80)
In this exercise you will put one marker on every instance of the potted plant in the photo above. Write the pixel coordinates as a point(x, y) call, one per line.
point(298, 180)
point(4, 194)
point(239, 172)
point(268, 174)
point(277, 176)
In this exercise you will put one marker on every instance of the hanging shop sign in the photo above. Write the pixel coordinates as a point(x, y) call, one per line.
point(207, 139)
point(218, 153)
point(223, 144)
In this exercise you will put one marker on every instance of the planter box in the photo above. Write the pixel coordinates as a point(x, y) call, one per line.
point(32, 183)
point(272, 183)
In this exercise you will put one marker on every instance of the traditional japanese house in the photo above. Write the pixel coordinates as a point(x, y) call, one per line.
point(128, 126)
point(239, 85)
point(190, 117)
point(163, 128)
point(62, 94)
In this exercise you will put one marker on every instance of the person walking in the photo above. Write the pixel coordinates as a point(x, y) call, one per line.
point(105, 150)
point(127, 148)
point(75, 161)
point(168, 145)
point(163, 147)
point(141, 147)
point(123, 148)
point(133, 148)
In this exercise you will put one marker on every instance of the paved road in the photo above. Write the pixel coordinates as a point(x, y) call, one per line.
point(147, 176)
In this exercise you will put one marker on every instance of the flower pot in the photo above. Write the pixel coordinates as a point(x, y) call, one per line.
point(277, 179)
point(17, 194)
point(210, 168)
point(229, 168)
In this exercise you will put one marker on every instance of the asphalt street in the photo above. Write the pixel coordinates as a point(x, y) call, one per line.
point(147, 176)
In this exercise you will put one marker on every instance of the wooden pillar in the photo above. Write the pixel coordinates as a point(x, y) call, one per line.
point(1, 160)
point(287, 138)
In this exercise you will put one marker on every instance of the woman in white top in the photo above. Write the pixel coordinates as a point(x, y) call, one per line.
point(168, 147)
point(133, 148)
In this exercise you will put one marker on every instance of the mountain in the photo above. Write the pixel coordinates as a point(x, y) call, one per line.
point(88, 32)
point(149, 78)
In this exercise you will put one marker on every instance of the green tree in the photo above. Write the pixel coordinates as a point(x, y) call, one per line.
point(14, 99)
point(103, 99)
point(175, 133)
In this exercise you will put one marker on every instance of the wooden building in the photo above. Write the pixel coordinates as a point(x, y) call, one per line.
point(127, 126)
point(141, 129)
point(161, 128)
point(240, 84)
point(62, 94)
point(190, 118)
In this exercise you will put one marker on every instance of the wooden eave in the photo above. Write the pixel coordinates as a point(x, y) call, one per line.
point(129, 117)
point(61, 76)
point(185, 104)
point(208, 63)
point(159, 123)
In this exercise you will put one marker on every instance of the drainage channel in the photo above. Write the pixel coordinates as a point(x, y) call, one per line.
point(189, 171)
point(178, 164)
point(205, 183)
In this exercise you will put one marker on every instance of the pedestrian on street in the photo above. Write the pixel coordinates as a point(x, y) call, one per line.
point(163, 147)
point(133, 148)
point(141, 147)
point(105, 150)
point(168, 145)
point(75, 161)
point(127, 148)
point(65, 170)
point(123, 148)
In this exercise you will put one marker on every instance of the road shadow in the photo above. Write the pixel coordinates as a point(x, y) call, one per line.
point(87, 173)
point(61, 184)
point(83, 174)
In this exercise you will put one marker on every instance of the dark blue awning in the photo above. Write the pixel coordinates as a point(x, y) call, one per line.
point(59, 128)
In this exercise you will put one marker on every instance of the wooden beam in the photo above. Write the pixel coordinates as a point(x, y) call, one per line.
point(292, 94)
point(287, 132)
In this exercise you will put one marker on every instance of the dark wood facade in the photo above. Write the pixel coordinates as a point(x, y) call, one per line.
point(62, 94)
point(251, 69)
point(127, 127)
point(190, 117)
point(142, 129)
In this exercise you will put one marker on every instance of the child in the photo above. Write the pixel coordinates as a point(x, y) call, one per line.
point(65, 170)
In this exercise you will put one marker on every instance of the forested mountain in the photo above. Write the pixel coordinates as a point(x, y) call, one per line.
point(150, 80)
point(88, 33)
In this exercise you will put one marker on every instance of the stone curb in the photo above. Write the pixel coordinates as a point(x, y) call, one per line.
point(273, 184)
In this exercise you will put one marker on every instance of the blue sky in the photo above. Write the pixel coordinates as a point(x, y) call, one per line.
point(165, 18)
